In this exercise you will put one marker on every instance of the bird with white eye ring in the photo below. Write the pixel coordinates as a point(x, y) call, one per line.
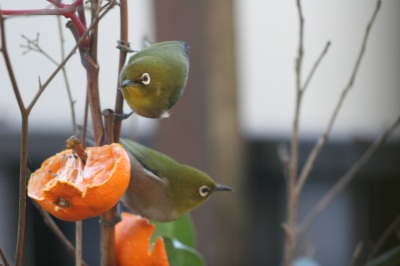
point(163, 189)
point(155, 78)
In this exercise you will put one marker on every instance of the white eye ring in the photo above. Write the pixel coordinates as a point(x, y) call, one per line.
point(204, 191)
point(145, 78)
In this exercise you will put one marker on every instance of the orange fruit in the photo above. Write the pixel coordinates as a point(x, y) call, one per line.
point(132, 243)
point(72, 190)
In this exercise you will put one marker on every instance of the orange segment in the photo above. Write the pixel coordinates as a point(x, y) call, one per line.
point(132, 241)
point(72, 191)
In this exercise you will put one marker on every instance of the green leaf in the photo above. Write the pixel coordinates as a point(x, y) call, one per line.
point(389, 258)
point(181, 255)
point(181, 229)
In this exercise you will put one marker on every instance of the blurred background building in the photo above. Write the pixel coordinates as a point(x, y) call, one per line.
point(237, 108)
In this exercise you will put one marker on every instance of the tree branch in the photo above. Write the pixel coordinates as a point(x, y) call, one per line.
point(119, 101)
point(66, 10)
point(345, 179)
point(315, 66)
point(78, 243)
point(290, 225)
point(23, 149)
point(4, 258)
point(60, 66)
point(356, 254)
point(56, 230)
point(66, 80)
point(389, 230)
point(324, 138)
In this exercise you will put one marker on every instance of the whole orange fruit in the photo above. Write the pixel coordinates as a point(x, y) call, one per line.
point(72, 190)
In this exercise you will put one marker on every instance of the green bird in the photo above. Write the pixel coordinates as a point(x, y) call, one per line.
point(155, 78)
point(163, 189)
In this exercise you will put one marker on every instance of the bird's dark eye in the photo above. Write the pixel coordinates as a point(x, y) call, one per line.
point(145, 79)
point(204, 191)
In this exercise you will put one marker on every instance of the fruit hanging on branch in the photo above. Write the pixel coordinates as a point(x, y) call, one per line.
point(78, 184)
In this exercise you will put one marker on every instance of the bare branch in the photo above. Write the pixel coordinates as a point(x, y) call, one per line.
point(300, 53)
point(66, 80)
point(323, 139)
point(356, 254)
point(4, 258)
point(119, 101)
point(56, 230)
point(315, 66)
point(33, 45)
point(107, 229)
point(108, 115)
point(345, 179)
point(78, 244)
point(290, 224)
point(23, 150)
point(389, 230)
point(10, 70)
point(355, 70)
point(59, 67)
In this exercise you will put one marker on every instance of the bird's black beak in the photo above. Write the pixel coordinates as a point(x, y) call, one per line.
point(223, 188)
point(126, 82)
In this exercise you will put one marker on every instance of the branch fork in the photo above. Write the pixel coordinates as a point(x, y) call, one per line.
point(73, 11)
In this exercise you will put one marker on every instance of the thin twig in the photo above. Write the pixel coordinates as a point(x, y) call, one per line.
point(22, 188)
point(324, 138)
point(79, 41)
point(9, 66)
point(290, 225)
point(23, 150)
point(48, 220)
point(356, 254)
point(78, 224)
point(66, 10)
point(60, 66)
point(33, 45)
point(85, 120)
point(119, 102)
point(4, 257)
point(345, 179)
point(65, 76)
point(78, 243)
point(389, 230)
point(315, 66)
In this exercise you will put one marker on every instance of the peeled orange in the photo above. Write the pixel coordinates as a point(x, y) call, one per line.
point(73, 190)
point(132, 243)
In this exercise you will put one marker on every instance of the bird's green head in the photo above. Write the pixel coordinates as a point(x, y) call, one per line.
point(192, 187)
point(155, 78)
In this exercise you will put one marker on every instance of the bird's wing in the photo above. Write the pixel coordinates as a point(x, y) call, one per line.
point(152, 160)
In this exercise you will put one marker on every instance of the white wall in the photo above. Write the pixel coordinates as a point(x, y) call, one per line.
point(267, 48)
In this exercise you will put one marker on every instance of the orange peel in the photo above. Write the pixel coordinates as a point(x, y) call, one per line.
point(132, 241)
